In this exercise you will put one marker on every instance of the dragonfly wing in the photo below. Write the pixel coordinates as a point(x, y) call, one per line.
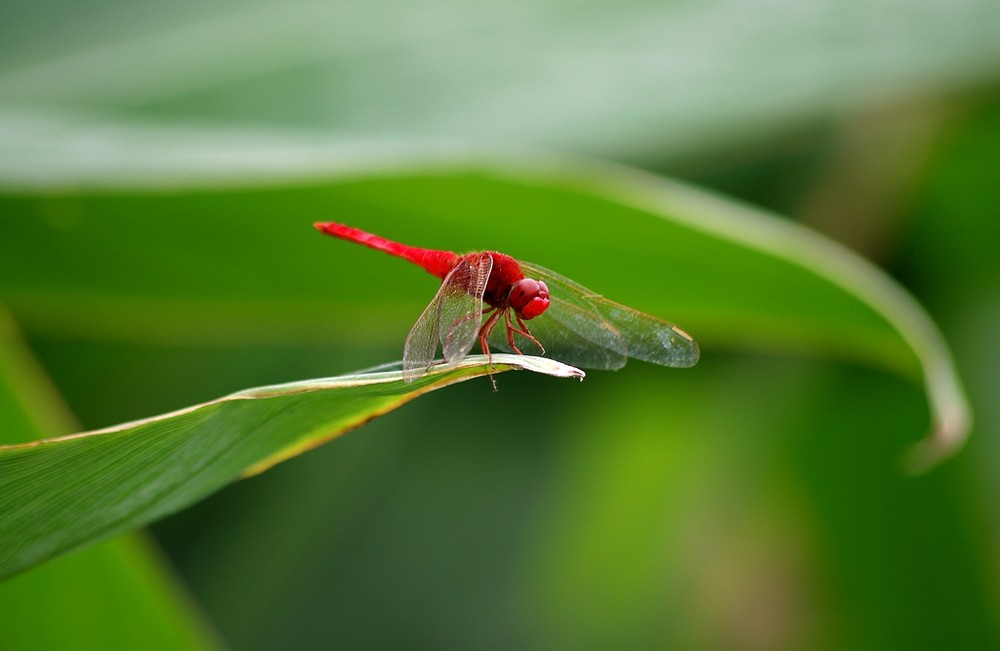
point(422, 342)
point(588, 330)
point(651, 339)
point(461, 312)
point(571, 334)
point(452, 317)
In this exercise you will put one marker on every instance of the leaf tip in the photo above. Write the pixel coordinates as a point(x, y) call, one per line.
point(948, 436)
point(545, 365)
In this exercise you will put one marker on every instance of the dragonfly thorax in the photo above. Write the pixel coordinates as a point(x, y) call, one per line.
point(528, 298)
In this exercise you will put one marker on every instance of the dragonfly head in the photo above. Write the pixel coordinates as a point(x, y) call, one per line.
point(529, 298)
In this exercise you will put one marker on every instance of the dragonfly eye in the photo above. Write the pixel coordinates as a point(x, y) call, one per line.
point(529, 298)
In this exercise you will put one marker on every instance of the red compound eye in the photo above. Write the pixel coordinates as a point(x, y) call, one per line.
point(529, 298)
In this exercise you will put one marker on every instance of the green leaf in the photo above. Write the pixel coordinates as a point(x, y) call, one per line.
point(255, 270)
point(635, 79)
point(118, 594)
point(59, 494)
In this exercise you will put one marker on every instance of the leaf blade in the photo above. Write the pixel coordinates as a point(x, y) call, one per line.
point(62, 493)
point(118, 593)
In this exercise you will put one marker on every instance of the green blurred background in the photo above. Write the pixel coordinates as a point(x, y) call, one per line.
point(753, 502)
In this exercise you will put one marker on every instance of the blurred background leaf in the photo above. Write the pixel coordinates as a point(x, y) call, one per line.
point(753, 502)
point(638, 81)
point(735, 277)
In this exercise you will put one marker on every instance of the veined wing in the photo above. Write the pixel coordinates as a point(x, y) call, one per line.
point(571, 333)
point(452, 318)
point(583, 328)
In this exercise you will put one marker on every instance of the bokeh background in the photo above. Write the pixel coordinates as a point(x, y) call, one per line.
point(754, 502)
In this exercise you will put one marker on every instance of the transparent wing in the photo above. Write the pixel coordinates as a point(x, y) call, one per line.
point(573, 334)
point(585, 329)
point(461, 311)
point(452, 318)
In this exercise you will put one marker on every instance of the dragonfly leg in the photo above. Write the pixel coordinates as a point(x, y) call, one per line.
point(510, 334)
point(527, 333)
point(484, 334)
point(523, 331)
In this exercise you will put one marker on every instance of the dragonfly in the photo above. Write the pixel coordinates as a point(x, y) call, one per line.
point(490, 297)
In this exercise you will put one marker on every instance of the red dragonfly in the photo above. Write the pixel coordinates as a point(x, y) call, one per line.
point(577, 326)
